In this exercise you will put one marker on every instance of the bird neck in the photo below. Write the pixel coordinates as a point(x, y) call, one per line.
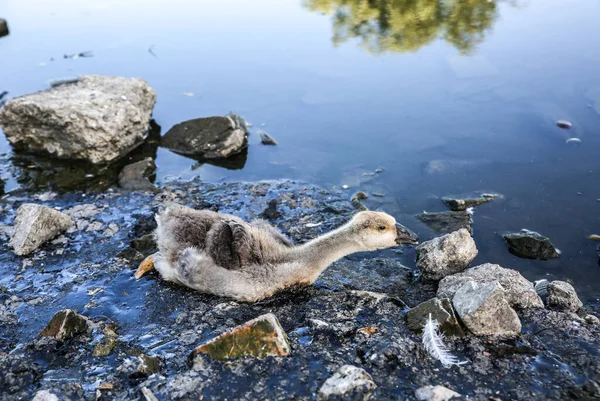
point(315, 256)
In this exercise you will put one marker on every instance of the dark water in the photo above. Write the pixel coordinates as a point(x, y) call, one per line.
point(350, 86)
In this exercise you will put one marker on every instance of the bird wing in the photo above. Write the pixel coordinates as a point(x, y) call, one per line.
point(277, 236)
point(230, 244)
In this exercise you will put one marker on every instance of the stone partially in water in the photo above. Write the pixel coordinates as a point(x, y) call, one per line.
point(347, 383)
point(138, 176)
point(531, 245)
point(35, 225)
point(564, 124)
point(457, 203)
point(45, 395)
point(3, 27)
point(446, 255)
point(266, 139)
point(435, 393)
point(519, 291)
point(260, 337)
point(107, 343)
point(440, 310)
point(66, 324)
point(563, 296)
point(209, 137)
point(484, 309)
point(97, 119)
point(447, 222)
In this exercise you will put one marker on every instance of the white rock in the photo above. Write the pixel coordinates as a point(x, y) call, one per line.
point(348, 382)
point(36, 224)
point(435, 393)
point(446, 255)
point(85, 120)
point(519, 291)
point(44, 395)
point(484, 310)
point(562, 295)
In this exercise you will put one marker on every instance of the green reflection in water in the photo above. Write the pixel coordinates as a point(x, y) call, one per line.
point(407, 25)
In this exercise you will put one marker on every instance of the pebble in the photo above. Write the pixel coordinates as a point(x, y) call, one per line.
point(564, 124)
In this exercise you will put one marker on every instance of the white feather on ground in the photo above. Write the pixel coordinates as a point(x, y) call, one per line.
point(433, 341)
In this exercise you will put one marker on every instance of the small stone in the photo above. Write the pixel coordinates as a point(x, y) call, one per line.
point(463, 203)
point(447, 222)
point(260, 337)
point(435, 393)
point(35, 225)
point(3, 27)
point(138, 176)
point(440, 310)
point(485, 311)
point(44, 395)
point(531, 245)
point(148, 365)
point(148, 395)
point(66, 122)
point(345, 186)
point(592, 319)
point(541, 288)
point(106, 344)
point(446, 255)
point(378, 170)
point(357, 198)
point(562, 295)
point(210, 137)
point(519, 291)
point(564, 124)
point(348, 383)
point(266, 139)
point(66, 324)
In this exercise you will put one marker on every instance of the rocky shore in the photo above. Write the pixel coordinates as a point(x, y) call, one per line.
point(353, 335)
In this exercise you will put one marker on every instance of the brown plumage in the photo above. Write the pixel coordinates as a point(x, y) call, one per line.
point(223, 255)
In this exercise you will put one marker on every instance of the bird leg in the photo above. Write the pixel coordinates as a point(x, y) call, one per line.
point(145, 267)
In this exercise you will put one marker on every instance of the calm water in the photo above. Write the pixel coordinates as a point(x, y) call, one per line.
point(446, 98)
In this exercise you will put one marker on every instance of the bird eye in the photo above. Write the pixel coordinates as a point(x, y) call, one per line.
point(381, 228)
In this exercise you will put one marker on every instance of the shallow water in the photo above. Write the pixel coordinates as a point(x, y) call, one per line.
point(350, 86)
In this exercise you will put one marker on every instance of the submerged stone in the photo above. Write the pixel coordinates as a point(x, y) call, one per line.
point(209, 137)
point(440, 310)
point(35, 225)
point(485, 311)
point(106, 344)
point(260, 337)
point(347, 383)
point(95, 118)
point(446, 255)
point(66, 324)
point(531, 245)
point(435, 393)
point(138, 176)
point(463, 203)
point(266, 139)
point(520, 292)
point(447, 222)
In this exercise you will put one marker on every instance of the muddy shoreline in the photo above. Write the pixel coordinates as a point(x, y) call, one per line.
point(555, 357)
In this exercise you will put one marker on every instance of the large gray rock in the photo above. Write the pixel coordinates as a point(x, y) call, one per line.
point(35, 225)
point(435, 393)
point(347, 383)
point(562, 295)
point(446, 255)
point(519, 291)
point(531, 245)
point(484, 309)
point(440, 310)
point(210, 137)
point(96, 118)
point(447, 222)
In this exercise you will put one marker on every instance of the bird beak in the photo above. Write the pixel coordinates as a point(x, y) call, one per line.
point(405, 236)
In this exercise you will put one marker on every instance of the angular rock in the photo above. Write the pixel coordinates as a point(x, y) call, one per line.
point(66, 324)
point(96, 118)
point(562, 296)
point(447, 222)
point(209, 138)
point(446, 255)
point(140, 366)
point(531, 245)
point(484, 309)
point(435, 393)
point(107, 343)
point(138, 176)
point(592, 319)
point(347, 383)
point(519, 291)
point(45, 395)
point(3, 27)
point(440, 310)
point(266, 139)
point(259, 337)
point(35, 225)
point(456, 203)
